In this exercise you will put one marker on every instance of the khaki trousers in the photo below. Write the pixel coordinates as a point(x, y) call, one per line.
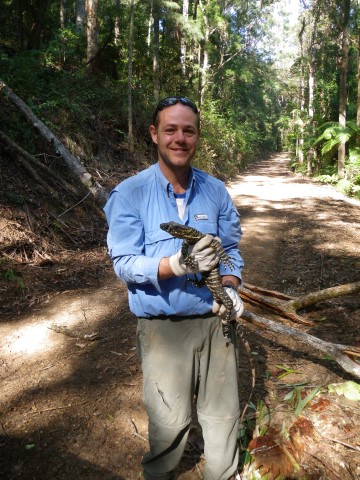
point(182, 357)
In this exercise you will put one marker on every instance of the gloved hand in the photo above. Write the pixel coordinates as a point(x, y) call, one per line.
point(238, 306)
point(203, 258)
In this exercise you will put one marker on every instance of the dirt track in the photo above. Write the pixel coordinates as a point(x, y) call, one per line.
point(71, 407)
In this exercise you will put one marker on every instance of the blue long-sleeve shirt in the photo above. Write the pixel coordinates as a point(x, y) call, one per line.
point(136, 243)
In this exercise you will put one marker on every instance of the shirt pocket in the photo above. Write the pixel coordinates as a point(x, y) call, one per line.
point(206, 226)
point(159, 243)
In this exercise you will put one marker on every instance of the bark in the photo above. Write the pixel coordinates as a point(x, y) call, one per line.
point(80, 20)
point(57, 146)
point(92, 35)
point(358, 89)
point(342, 86)
point(150, 26)
point(205, 62)
point(342, 354)
point(62, 26)
point(183, 45)
point(38, 12)
point(117, 22)
point(288, 306)
point(130, 63)
point(279, 307)
point(156, 53)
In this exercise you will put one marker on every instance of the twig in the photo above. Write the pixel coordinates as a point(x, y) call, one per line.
point(353, 447)
point(136, 433)
point(58, 408)
point(129, 358)
point(76, 204)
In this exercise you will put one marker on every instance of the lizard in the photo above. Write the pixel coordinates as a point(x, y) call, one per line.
point(211, 279)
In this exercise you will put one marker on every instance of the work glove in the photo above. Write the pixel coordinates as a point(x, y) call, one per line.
point(238, 306)
point(201, 258)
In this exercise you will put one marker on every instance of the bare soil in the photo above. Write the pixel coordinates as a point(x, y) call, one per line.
point(71, 401)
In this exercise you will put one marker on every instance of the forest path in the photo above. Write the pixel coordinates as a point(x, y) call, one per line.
point(72, 408)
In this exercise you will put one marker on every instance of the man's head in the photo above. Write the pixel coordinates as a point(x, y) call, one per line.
point(169, 101)
point(175, 130)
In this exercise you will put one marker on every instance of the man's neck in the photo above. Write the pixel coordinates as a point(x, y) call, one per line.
point(178, 178)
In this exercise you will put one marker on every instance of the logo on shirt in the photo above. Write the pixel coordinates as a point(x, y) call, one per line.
point(201, 216)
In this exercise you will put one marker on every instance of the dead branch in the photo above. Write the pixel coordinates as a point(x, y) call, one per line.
point(268, 293)
point(315, 297)
point(16, 150)
point(58, 147)
point(342, 354)
point(278, 306)
point(23, 162)
point(287, 306)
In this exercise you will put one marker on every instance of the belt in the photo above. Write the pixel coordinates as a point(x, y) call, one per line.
point(177, 318)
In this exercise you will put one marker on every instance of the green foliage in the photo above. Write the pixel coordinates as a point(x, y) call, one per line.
point(295, 397)
point(333, 135)
point(8, 275)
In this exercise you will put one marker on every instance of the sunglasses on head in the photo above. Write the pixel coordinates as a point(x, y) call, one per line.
point(167, 102)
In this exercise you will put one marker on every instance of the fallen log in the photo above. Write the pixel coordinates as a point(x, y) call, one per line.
point(57, 146)
point(342, 354)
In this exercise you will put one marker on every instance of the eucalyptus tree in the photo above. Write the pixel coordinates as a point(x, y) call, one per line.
point(92, 34)
point(344, 60)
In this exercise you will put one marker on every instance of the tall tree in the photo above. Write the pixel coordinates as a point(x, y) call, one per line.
point(92, 35)
point(156, 50)
point(80, 14)
point(345, 16)
point(185, 14)
point(130, 71)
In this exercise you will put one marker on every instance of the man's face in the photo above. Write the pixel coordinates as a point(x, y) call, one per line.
point(176, 136)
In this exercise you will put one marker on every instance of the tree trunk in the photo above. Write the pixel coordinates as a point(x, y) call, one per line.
point(300, 138)
point(117, 24)
point(342, 86)
point(38, 12)
point(156, 70)
point(92, 35)
point(73, 164)
point(62, 27)
point(130, 63)
point(20, 23)
point(311, 83)
point(80, 19)
point(205, 62)
point(150, 26)
point(183, 45)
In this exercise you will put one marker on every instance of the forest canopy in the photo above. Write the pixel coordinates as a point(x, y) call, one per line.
point(268, 76)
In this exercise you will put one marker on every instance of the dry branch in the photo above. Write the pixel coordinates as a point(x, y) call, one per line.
point(73, 164)
point(341, 353)
point(315, 297)
point(280, 307)
point(287, 306)
point(15, 149)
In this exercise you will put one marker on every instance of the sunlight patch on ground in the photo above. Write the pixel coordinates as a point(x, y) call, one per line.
point(34, 336)
point(283, 189)
point(28, 340)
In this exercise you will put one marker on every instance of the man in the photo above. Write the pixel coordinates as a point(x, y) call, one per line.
point(181, 344)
